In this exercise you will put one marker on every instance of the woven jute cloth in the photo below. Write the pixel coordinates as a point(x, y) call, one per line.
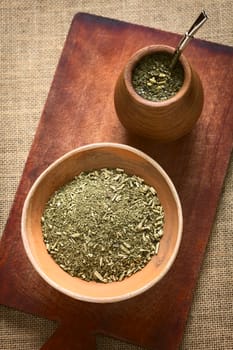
point(32, 35)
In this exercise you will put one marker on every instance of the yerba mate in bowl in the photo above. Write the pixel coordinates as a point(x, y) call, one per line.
point(99, 232)
point(155, 101)
point(104, 225)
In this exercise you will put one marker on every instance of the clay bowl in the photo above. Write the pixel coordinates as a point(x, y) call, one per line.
point(163, 121)
point(91, 157)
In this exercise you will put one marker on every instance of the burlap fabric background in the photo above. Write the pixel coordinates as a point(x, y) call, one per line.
point(32, 37)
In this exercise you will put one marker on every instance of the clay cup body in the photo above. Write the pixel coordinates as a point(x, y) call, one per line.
point(165, 120)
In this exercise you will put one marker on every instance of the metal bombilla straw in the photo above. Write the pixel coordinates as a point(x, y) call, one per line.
point(187, 37)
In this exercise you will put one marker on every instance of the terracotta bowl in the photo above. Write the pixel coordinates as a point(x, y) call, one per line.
point(166, 120)
point(95, 156)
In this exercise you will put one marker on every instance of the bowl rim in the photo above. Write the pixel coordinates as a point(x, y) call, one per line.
point(82, 297)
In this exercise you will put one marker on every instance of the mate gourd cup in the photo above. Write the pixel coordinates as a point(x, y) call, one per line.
point(165, 120)
point(86, 158)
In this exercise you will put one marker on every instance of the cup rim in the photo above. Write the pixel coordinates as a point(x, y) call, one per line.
point(147, 50)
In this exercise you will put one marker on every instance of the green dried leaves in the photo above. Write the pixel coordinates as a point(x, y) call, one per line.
point(154, 80)
point(103, 225)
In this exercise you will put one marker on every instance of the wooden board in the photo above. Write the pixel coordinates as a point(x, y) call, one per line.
point(80, 110)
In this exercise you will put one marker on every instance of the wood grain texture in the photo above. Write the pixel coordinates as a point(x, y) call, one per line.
point(80, 110)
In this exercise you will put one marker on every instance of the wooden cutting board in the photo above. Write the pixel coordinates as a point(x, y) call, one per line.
point(80, 110)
